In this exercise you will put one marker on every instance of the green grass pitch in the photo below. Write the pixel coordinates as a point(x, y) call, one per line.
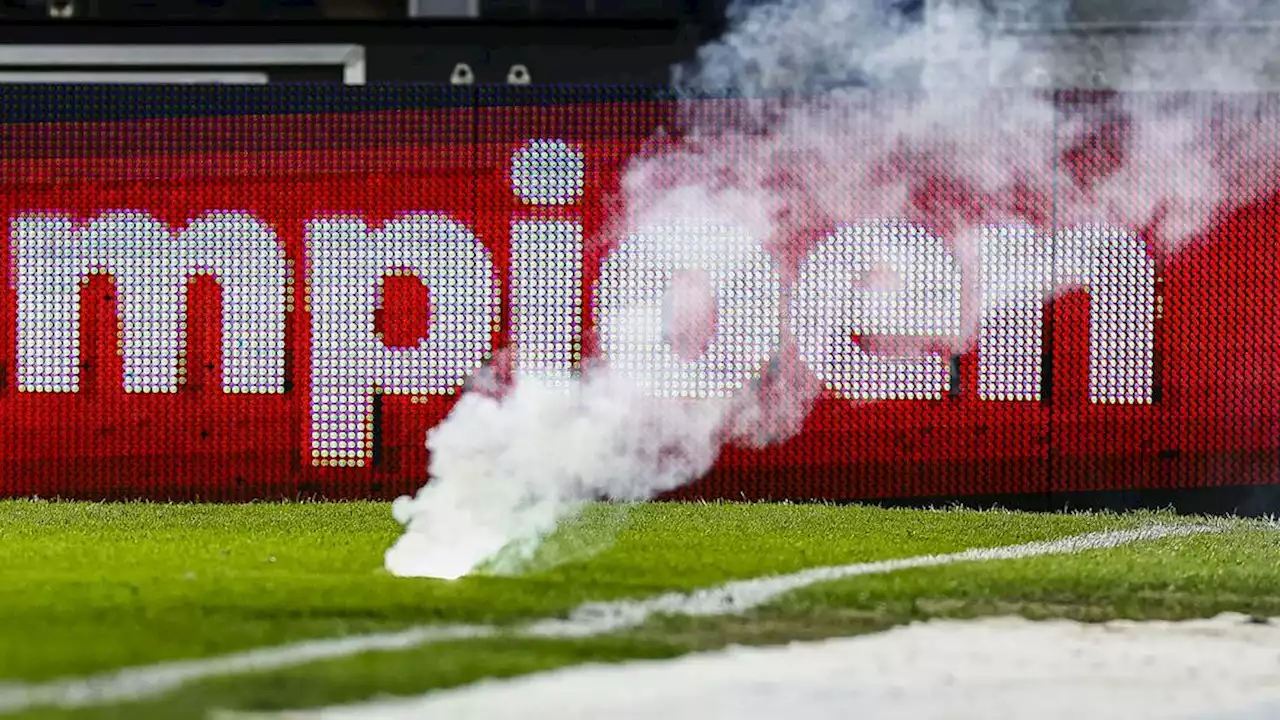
point(89, 588)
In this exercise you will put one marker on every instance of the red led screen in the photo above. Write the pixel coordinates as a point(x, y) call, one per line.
point(260, 306)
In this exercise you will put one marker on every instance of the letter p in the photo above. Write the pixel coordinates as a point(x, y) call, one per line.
point(350, 363)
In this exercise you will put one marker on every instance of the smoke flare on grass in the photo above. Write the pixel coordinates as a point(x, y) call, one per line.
point(931, 142)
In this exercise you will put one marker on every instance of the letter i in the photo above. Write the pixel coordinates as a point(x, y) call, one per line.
point(546, 260)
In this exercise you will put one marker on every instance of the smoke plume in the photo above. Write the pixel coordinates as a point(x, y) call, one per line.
point(850, 112)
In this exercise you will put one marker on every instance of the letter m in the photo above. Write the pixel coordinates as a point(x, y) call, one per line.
point(151, 265)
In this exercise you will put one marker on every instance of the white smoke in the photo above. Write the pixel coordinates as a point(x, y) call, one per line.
point(506, 470)
point(931, 140)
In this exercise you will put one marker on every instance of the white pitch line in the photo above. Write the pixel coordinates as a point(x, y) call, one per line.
point(590, 619)
point(742, 595)
point(150, 680)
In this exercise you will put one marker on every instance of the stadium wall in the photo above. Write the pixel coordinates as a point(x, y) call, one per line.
point(373, 247)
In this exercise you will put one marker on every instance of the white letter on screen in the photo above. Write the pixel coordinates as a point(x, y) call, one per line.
point(633, 320)
point(1120, 276)
point(1016, 274)
point(350, 363)
point(546, 297)
point(151, 267)
point(828, 309)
